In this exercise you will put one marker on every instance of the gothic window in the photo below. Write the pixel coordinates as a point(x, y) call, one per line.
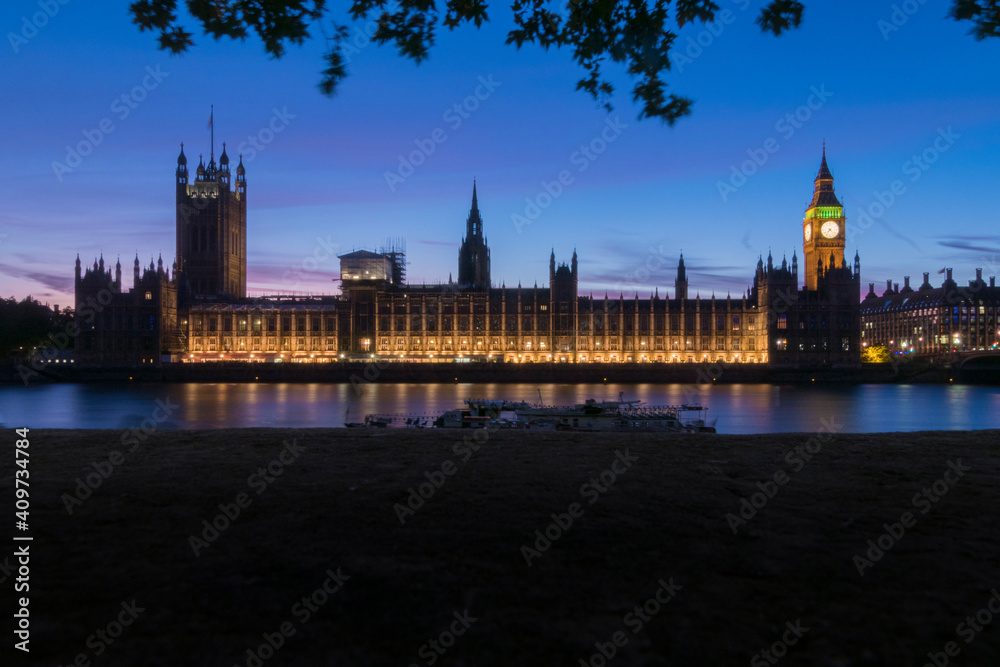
point(782, 323)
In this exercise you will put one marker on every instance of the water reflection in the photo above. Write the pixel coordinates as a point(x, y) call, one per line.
point(738, 408)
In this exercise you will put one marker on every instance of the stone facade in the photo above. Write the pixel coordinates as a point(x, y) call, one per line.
point(378, 315)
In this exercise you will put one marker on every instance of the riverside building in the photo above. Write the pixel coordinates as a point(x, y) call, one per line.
point(200, 312)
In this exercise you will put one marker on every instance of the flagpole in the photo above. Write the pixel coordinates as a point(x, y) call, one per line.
point(211, 119)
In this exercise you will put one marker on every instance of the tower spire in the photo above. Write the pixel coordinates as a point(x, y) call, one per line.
point(211, 127)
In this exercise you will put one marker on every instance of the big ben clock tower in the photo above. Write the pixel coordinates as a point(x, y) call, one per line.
point(823, 233)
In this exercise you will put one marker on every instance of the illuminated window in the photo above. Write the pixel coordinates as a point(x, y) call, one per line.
point(782, 322)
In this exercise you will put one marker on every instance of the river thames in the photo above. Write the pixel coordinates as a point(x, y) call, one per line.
point(746, 408)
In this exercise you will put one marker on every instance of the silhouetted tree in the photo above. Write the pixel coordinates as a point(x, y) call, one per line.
point(27, 324)
point(638, 33)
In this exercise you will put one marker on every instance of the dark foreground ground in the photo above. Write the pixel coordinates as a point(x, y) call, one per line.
point(662, 520)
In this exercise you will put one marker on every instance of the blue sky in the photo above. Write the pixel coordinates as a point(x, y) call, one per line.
point(916, 107)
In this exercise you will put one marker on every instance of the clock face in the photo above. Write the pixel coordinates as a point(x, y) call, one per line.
point(809, 232)
point(830, 229)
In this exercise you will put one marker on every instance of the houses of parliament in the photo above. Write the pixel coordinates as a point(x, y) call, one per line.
point(197, 309)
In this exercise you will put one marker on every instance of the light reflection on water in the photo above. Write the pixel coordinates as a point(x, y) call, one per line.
point(738, 408)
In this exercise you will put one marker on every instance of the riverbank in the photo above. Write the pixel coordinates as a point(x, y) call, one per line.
point(908, 371)
point(414, 534)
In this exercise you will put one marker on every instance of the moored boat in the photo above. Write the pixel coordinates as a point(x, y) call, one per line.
point(620, 415)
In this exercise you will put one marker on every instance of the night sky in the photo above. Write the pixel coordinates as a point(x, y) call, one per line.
point(629, 204)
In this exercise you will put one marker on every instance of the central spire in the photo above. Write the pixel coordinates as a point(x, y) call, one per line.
point(823, 194)
point(474, 223)
point(474, 254)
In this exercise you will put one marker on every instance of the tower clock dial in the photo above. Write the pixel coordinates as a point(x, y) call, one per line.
point(809, 232)
point(830, 229)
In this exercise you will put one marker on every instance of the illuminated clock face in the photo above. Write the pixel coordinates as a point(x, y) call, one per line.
point(809, 232)
point(830, 229)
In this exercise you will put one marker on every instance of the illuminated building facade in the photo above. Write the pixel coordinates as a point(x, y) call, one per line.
point(933, 320)
point(379, 315)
